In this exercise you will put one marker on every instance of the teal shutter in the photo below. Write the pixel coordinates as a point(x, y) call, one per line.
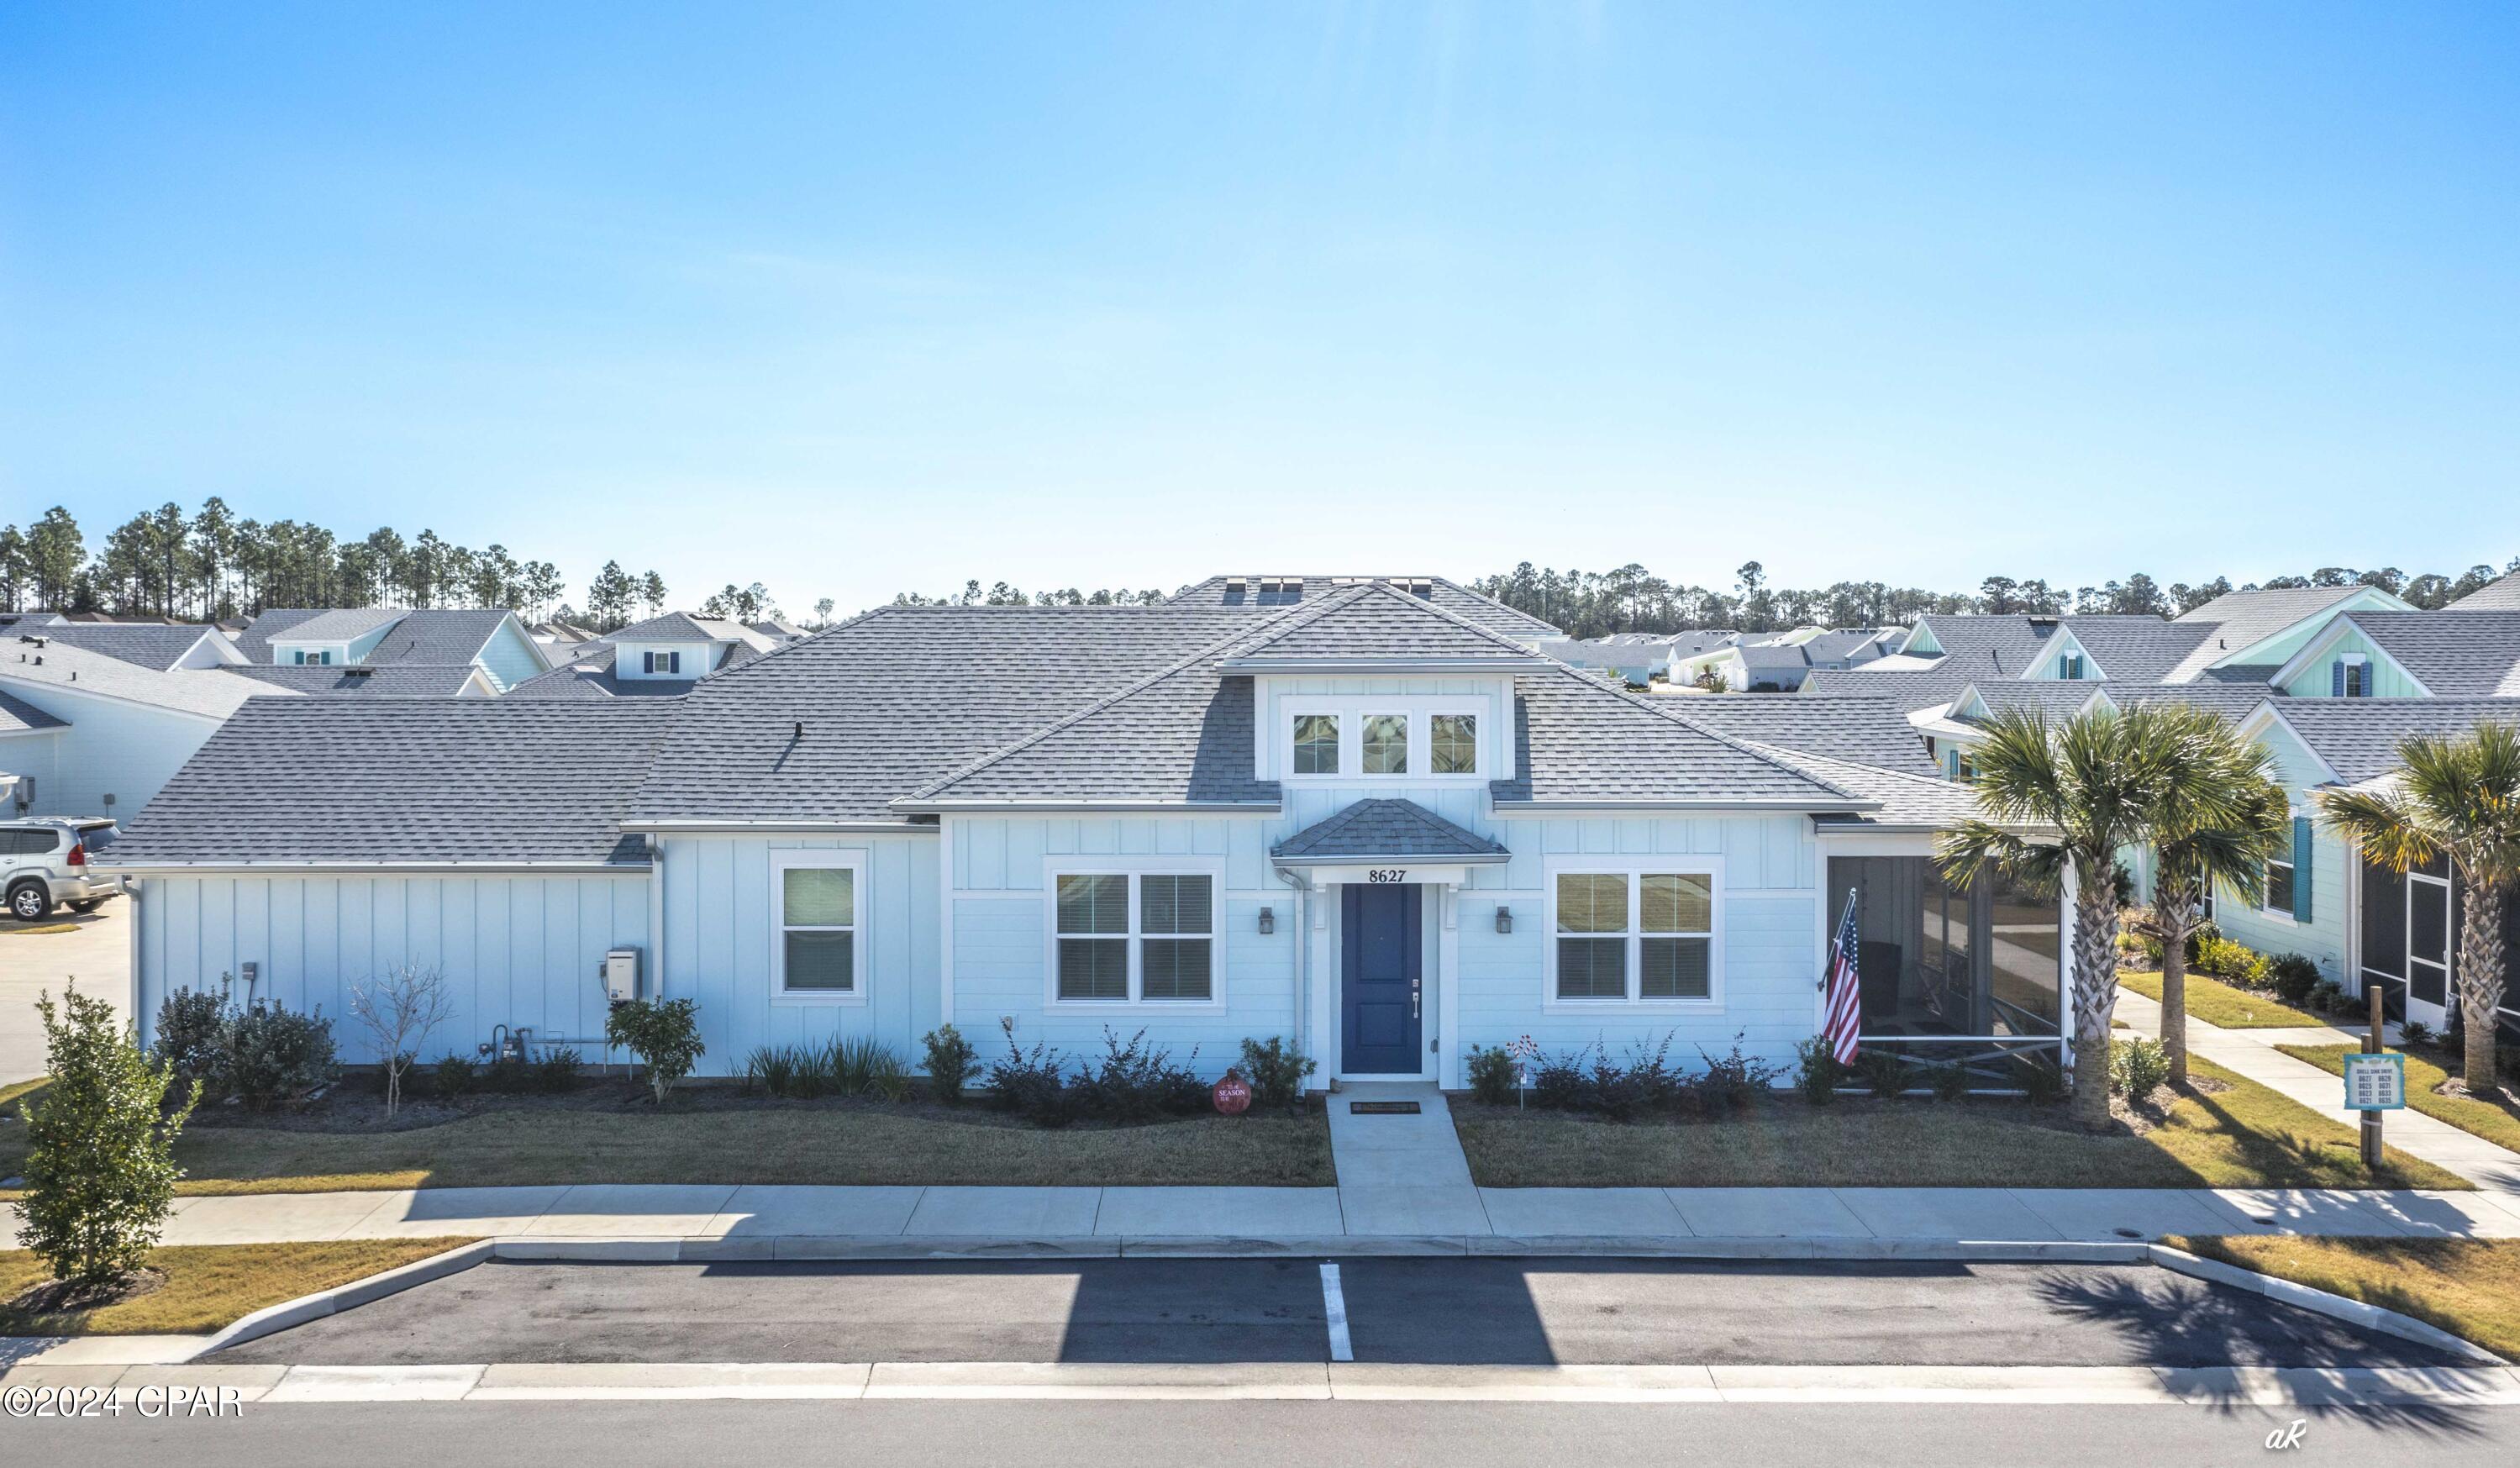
point(2336, 679)
point(2301, 869)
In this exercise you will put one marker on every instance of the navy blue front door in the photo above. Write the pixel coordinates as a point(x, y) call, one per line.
point(1382, 1029)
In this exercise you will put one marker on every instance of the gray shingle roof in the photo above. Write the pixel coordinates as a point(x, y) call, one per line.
point(1371, 621)
point(213, 693)
point(339, 624)
point(590, 673)
point(2474, 654)
point(406, 780)
point(672, 627)
point(1582, 743)
point(145, 644)
point(256, 640)
point(2502, 595)
point(894, 700)
point(433, 636)
point(1448, 595)
point(1377, 829)
point(425, 679)
point(1861, 731)
point(1902, 801)
point(2138, 649)
point(2241, 620)
point(18, 716)
point(2358, 737)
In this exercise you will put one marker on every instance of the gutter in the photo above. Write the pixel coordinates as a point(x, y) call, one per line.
point(1303, 932)
point(178, 868)
point(1283, 861)
point(1091, 807)
point(1716, 807)
point(683, 825)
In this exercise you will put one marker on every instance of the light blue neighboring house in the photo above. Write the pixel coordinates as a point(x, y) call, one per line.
point(1376, 825)
point(457, 653)
point(661, 656)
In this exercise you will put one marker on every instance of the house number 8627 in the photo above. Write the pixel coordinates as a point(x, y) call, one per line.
point(1387, 874)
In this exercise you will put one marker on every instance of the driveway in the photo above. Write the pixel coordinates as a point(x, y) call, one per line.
point(1440, 1312)
point(96, 949)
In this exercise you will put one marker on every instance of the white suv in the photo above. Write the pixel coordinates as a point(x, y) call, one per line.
point(43, 862)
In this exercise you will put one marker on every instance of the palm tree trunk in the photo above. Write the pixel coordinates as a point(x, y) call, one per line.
point(2174, 1007)
point(2095, 992)
point(2480, 981)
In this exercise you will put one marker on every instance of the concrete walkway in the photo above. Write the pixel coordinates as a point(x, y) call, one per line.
point(1403, 1174)
point(2253, 1054)
point(781, 1222)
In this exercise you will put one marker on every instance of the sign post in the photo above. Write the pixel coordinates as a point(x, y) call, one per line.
point(2375, 1081)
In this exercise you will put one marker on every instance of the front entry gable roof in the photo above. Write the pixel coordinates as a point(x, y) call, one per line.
point(1385, 830)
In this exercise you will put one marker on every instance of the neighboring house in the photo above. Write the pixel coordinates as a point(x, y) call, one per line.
point(1636, 657)
point(1357, 819)
point(160, 645)
point(495, 643)
point(2495, 595)
point(100, 732)
point(1780, 664)
point(661, 656)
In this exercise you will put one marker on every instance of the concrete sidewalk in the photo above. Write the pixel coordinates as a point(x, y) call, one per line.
point(768, 1221)
point(2253, 1054)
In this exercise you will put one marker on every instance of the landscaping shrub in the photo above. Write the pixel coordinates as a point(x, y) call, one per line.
point(1949, 1082)
point(506, 1075)
point(1136, 1081)
point(1885, 1073)
point(99, 1165)
point(2235, 962)
point(2326, 997)
point(952, 1062)
point(192, 1038)
point(1560, 1081)
point(1816, 1070)
point(2137, 1067)
point(1032, 1084)
point(1732, 1081)
point(456, 1075)
point(2414, 1034)
point(556, 1072)
point(1277, 1070)
point(274, 1054)
point(865, 1066)
point(664, 1034)
point(2292, 977)
point(1491, 1071)
point(398, 1008)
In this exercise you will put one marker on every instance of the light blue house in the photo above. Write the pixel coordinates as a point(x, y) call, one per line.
point(95, 718)
point(1352, 816)
point(459, 652)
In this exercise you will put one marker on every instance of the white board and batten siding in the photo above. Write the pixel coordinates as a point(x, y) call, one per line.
point(722, 922)
point(516, 949)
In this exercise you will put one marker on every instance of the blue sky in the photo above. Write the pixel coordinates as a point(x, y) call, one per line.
point(855, 298)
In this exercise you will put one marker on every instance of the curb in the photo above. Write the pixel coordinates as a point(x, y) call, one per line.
point(773, 1248)
point(315, 1307)
point(2336, 1307)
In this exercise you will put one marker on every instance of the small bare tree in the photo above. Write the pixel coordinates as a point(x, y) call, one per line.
point(399, 1008)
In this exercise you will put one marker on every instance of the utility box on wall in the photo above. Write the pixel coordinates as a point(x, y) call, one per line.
point(621, 975)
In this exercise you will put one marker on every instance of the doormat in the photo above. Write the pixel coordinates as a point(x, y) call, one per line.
point(1383, 1108)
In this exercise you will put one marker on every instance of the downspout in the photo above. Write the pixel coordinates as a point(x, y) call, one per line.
point(656, 915)
point(1303, 886)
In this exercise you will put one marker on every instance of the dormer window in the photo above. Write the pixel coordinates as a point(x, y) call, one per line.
point(1317, 744)
point(1386, 743)
point(2350, 677)
point(2069, 666)
point(306, 659)
point(666, 663)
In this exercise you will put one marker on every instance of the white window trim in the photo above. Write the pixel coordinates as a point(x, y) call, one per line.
point(1631, 866)
point(861, 978)
point(1054, 868)
point(1418, 709)
point(2278, 914)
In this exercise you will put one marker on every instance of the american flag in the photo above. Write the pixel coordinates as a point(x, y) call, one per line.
point(1845, 999)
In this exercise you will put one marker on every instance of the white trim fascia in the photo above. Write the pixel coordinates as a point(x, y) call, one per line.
point(1576, 810)
point(1483, 859)
point(736, 825)
point(215, 869)
point(2317, 647)
point(1031, 807)
point(1332, 667)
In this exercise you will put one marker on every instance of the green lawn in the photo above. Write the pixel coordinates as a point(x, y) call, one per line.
point(804, 1144)
point(2245, 1136)
point(2224, 1007)
point(2469, 1288)
point(2496, 1123)
point(207, 1286)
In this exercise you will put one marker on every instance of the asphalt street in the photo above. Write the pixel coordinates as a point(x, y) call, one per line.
point(1278, 1433)
point(1524, 1312)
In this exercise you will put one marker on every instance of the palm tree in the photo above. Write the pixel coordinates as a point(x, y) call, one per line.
point(2062, 799)
point(2453, 800)
point(2223, 842)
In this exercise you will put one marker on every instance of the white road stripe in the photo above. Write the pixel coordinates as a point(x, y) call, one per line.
point(1334, 1309)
